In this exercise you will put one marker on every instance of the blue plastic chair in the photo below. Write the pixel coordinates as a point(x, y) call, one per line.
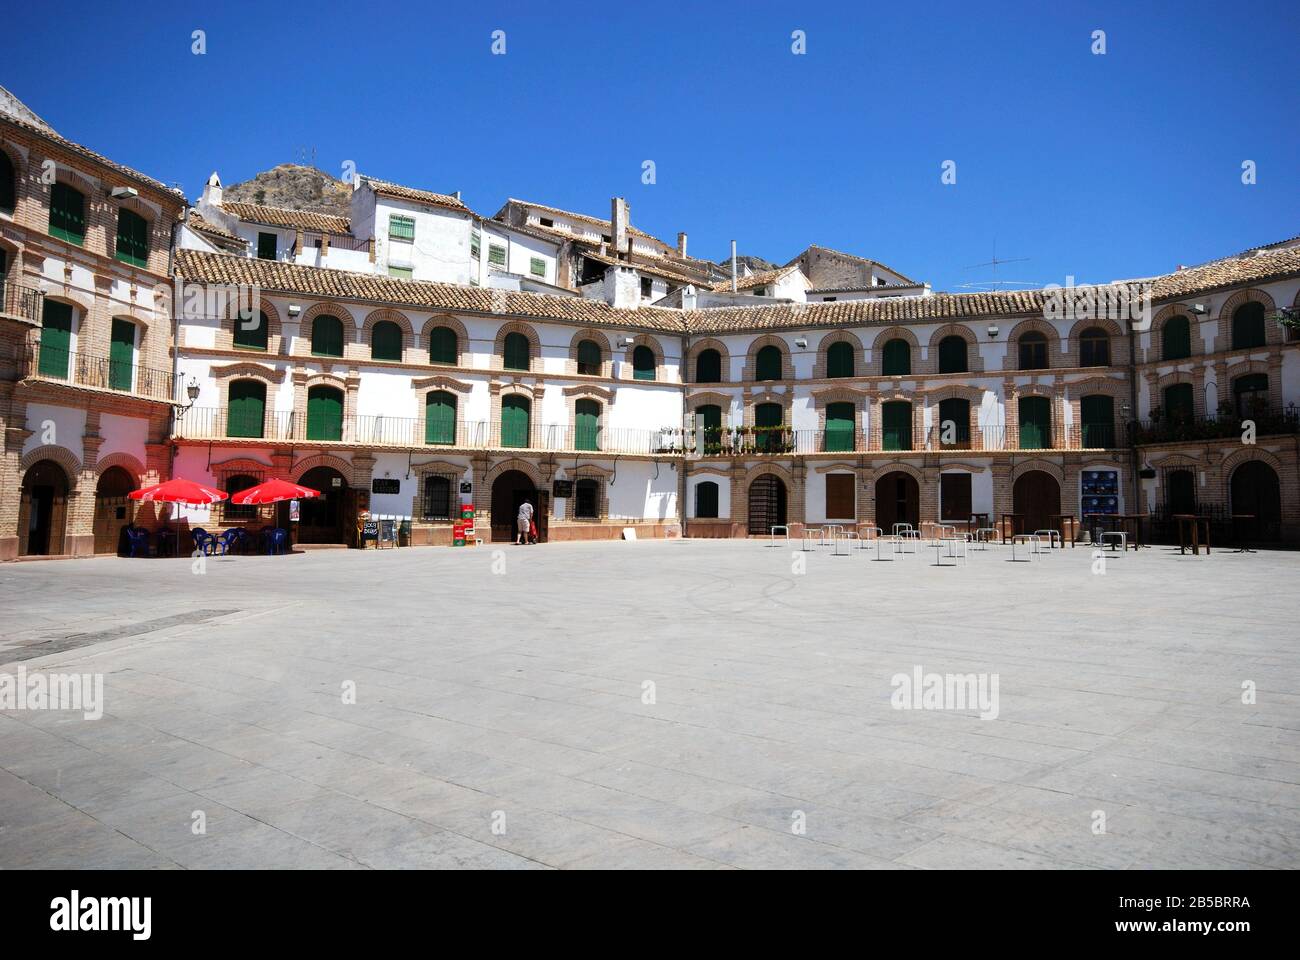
point(279, 540)
point(227, 540)
point(204, 542)
point(137, 541)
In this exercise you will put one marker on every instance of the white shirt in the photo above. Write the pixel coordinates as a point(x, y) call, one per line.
point(525, 511)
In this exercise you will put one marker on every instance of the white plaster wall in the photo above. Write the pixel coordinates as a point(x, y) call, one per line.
point(62, 426)
point(123, 435)
point(724, 493)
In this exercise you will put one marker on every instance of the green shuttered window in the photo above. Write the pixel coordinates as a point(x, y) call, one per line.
point(896, 359)
point(132, 239)
point(386, 341)
point(67, 214)
point(327, 336)
point(768, 363)
point(56, 339)
point(896, 425)
point(839, 360)
point(643, 363)
point(1035, 423)
point(251, 334)
point(440, 417)
point(516, 352)
point(324, 414)
point(246, 409)
point(514, 421)
point(586, 425)
point(443, 345)
point(839, 427)
point(121, 355)
point(1097, 416)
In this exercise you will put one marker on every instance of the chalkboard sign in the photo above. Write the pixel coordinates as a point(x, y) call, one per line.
point(370, 530)
point(388, 531)
point(385, 485)
point(466, 486)
point(562, 488)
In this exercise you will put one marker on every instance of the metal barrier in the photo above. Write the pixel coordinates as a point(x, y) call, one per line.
point(771, 536)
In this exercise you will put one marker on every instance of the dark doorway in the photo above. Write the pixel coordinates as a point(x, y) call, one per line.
point(1180, 491)
point(44, 508)
point(766, 504)
point(898, 500)
point(1036, 496)
point(113, 509)
point(1256, 491)
point(509, 490)
point(323, 519)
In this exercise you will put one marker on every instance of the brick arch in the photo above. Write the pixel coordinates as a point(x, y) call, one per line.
point(1176, 460)
point(322, 460)
point(1046, 466)
point(247, 369)
point(645, 340)
point(601, 341)
point(534, 345)
point(451, 323)
point(839, 336)
point(876, 368)
point(1055, 357)
point(1235, 459)
point(60, 455)
point(1164, 315)
point(514, 463)
point(709, 343)
point(879, 470)
point(124, 460)
point(974, 361)
point(777, 470)
point(20, 166)
point(752, 401)
point(958, 391)
point(274, 332)
point(392, 316)
point(750, 371)
point(330, 308)
point(1272, 332)
point(842, 394)
point(1174, 377)
point(326, 380)
point(75, 299)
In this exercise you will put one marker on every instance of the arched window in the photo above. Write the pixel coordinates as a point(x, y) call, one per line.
point(386, 341)
point(839, 360)
point(437, 497)
point(952, 355)
point(514, 420)
point(121, 354)
point(239, 511)
point(1094, 348)
point(1033, 351)
point(1248, 326)
point(767, 363)
point(8, 184)
point(586, 499)
point(67, 214)
point(444, 346)
point(246, 408)
point(768, 422)
point(251, 334)
point(589, 358)
point(324, 413)
point(515, 352)
point(1179, 403)
point(709, 417)
point(327, 336)
point(708, 366)
point(643, 363)
point(1035, 423)
point(706, 500)
point(1097, 416)
point(896, 425)
point(1251, 394)
point(1176, 338)
point(586, 426)
point(132, 238)
point(896, 358)
point(439, 417)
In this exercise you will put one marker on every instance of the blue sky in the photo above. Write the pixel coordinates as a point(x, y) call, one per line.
point(1108, 166)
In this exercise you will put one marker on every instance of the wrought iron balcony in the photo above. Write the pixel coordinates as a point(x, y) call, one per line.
point(43, 362)
point(21, 302)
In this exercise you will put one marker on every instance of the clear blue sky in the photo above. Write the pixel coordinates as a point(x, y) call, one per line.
point(1098, 166)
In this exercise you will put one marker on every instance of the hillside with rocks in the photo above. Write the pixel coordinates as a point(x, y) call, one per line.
point(294, 187)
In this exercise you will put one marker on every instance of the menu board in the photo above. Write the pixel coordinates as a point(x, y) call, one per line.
point(1100, 492)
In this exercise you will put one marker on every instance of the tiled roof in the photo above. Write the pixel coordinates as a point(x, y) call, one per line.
point(753, 280)
point(595, 221)
point(196, 222)
point(321, 283)
point(316, 282)
point(641, 266)
point(88, 154)
point(854, 256)
point(386, 188)
point(284, 217)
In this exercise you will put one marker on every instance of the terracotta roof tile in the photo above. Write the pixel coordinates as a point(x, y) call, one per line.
point(87, 153)
point(284, 217)
point(386, 188)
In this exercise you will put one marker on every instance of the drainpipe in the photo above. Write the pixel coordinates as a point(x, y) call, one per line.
point(681, 471)
point(1130, 425)
point(733, 266)
point(176, 340)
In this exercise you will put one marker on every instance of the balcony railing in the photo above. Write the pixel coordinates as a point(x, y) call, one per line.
point(17, 300)
point(1269, 421)
point(43, 362)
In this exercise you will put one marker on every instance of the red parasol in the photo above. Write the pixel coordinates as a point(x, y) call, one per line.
point(273, 491)
point(179, 491)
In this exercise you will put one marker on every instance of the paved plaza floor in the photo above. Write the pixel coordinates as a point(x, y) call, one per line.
point(709, 704)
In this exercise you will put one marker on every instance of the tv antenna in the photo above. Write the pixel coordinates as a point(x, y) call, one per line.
point(995, 283)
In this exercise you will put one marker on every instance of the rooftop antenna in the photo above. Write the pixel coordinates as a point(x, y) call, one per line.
point(995, 283)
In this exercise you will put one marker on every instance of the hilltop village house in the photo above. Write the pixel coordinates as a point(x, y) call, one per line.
point(415, 355)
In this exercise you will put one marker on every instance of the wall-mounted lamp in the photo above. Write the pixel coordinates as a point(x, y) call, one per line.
point(1200, 309)
point(627, 341)
point(993, 331)
point(122, 193)
point(294, 310)
point(801, 343)
point(191, 391)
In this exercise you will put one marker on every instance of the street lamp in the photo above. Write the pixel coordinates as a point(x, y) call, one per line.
point(191, 391)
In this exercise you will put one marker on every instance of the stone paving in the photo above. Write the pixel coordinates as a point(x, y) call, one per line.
point(699, 704)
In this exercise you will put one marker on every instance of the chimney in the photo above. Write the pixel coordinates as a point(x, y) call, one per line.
point(618, 218)
point(681, 244)
point(733, 266)
point(212, 191)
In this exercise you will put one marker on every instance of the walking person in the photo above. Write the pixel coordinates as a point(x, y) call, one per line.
point(525, 521)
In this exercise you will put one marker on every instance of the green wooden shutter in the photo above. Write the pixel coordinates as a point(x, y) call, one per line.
point(706, 499)
point(839, 426)
point(327, 336)
point(768, 418)
point(643, 363)
point(952, 355)
point(587, 425)
point(56, 339)
point(439, 417)
point(1179, 405)
point(401, 228)
point(589, 361)
point(8, 183)
point(516, 351)
point(1035, 423)
point(267, 246)
point(514, 421)
point(386, 341)
point(709, 416)
point(839, 360)
point(1176, 339)
point(443, 346)
point(708, 367)
point(324, 414)
point(251, 334)
point(132, 238)
point(67, 214)
point(121, 355)
point(1097, 416)
point(896, 425)
point(896, 359)
point(768, 363)
point(956, 411)
point(246, 409)
point(1248, 326)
